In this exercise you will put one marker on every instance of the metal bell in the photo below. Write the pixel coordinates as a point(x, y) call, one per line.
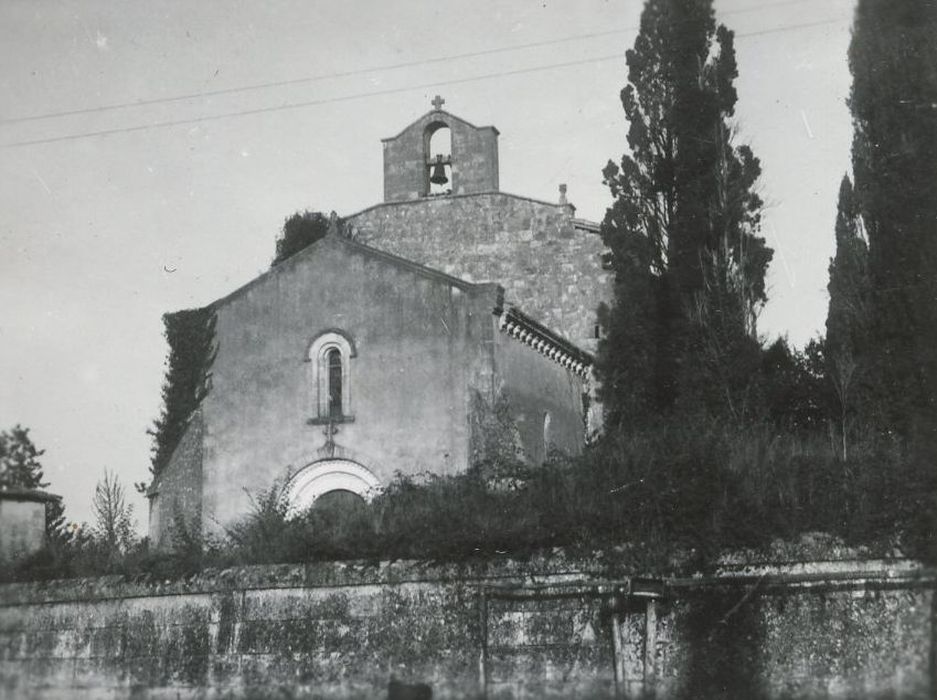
point(439, 172)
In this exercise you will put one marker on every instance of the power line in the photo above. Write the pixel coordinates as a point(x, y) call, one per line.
point(309, 79)
point(311, 103)
point(350, 73)
point(362, 95)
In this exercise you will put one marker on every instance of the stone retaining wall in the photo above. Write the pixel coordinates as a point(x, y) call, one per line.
point(542, 628)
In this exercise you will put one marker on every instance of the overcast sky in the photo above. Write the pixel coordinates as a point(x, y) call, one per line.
point(111, 217)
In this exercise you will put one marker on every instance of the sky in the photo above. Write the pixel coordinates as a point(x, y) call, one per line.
point(150, 151)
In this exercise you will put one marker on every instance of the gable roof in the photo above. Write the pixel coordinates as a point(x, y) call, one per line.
point(334, 239)
point(440, 113)
point(511, 319)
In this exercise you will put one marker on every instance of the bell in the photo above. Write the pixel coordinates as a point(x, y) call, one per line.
point(439, 172)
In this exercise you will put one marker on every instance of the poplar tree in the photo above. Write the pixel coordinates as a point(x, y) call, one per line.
point(682, 229)
point(893, 60)
point(847, 320)
point(113, 515)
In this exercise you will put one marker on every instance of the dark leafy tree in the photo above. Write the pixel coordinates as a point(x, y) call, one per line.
point(20, 467)
point(191, 338)
point(847, 321)
point(301, 230)
point(893, 60)
point(56, 525)
point(794, 385)
point(682, 229)
point(847, 318)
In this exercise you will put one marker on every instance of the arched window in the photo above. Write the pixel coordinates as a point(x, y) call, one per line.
point(329, 378)
point(334, 362)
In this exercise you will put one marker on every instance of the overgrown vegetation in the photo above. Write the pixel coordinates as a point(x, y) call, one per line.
point(301, 230)
point(190, 335)
point(663, 499)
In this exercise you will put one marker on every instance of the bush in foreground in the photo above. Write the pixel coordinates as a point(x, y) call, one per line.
point(679, 491)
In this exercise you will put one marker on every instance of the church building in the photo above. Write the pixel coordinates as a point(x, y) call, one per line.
point(397, 343)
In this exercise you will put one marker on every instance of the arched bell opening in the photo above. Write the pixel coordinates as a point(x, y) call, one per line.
point(437, 156)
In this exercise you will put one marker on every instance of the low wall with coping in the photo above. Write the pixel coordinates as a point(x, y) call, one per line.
point(547, 627)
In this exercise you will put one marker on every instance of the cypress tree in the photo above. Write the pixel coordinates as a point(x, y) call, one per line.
point(682, 229)
point(847, 320)
point(893, 60)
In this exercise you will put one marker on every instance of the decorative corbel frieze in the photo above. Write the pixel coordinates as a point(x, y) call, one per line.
point(545, 345)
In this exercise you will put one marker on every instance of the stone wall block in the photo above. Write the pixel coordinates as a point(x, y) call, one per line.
point(532, 242)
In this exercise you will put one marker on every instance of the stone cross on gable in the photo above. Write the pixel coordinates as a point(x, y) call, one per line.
point(438, 102)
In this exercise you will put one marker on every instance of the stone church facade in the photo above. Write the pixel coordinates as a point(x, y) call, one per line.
point(398, 344)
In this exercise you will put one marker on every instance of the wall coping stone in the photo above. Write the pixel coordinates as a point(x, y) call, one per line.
point(582, 224)
point(554, 568)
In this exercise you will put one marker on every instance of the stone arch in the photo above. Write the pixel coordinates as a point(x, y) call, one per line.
point(318, 478)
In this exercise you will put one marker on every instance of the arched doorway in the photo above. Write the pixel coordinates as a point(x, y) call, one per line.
point(348, 478)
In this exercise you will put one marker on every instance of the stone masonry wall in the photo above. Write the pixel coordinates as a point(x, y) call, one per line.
point(549, 266)
point(474, 157)
point(178, 490)
point(544, 628)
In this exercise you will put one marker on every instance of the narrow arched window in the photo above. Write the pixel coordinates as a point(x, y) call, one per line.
point(330, 378)
point(334, 363)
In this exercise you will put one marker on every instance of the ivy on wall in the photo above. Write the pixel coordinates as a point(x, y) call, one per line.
point(192, 350)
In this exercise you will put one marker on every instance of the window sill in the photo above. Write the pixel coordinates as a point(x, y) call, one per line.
point(333, 420)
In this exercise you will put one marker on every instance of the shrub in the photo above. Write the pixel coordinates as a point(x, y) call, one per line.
point(679, 493)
